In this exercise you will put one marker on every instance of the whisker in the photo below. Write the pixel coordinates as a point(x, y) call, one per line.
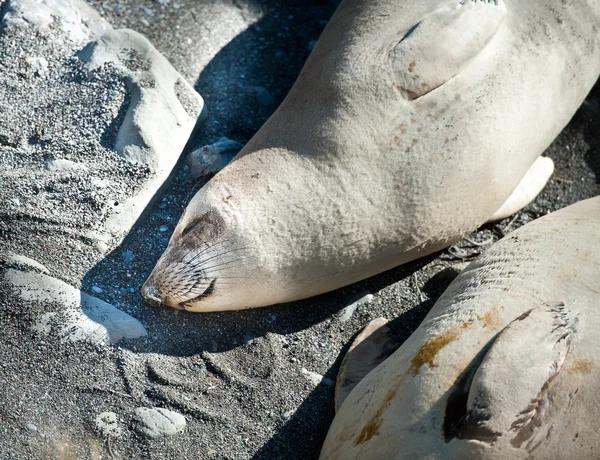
point(231, 277)
point(230, 249)
point(228, 284)
point(222, 264)
point(189, 271)
point(195, 290)
point(204, 251)
point(203, 261)
point(199, 253)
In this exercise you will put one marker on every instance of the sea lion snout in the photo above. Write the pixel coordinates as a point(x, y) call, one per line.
point(151, 294)
point(196, 255)
point(196, 264)
point(173, 283)
point(157, 294)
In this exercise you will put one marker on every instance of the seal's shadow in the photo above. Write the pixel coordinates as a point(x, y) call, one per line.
point(247, 80)
point(592, 134)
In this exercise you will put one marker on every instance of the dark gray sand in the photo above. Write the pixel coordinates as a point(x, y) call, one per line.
point(239, 378)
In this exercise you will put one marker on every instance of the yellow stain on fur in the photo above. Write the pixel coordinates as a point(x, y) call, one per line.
point(581, 366)
point(490, 319)
point(430, 349)
point(371, 428)
point(425, 355)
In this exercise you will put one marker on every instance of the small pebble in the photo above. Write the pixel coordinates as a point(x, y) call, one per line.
point(107, 424)
point(163, 228)
point(263, 96)
point(38, 65)
point(96, 289)
point(347, 312)
point(63, 165)
point(211, 158)
point(31, 427)
point(158, 422)
point(314, 377)
point(327, 381)
point(128, 256)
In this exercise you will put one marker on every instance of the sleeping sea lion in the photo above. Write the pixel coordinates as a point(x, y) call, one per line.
point(411, 124)
point(505, 366)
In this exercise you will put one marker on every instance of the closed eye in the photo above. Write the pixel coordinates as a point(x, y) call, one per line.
point(191, 226)
point(211, 226)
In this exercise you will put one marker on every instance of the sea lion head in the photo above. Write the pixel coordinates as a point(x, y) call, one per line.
point(220, 254)
point(199, 264)
point(182, 276)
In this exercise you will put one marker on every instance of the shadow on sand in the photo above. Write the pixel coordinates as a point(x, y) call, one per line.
point(303, 434)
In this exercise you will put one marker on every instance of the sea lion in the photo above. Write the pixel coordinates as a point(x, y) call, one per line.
point(505, 365)
point(409, 126)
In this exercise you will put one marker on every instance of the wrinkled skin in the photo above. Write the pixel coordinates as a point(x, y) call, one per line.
point(505, 365)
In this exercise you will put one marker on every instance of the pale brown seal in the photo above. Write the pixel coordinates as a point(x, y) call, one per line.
point(409, 126)
point(505, 365)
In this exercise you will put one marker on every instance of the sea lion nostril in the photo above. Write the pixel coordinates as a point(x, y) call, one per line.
point(151, 294)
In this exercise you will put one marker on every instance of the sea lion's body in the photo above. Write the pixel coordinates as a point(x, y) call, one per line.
point(505, 366)
point(409, 126)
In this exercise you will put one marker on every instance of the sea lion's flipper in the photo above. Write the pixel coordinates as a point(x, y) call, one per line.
point(443, 43)
point(370, 348)
point(513, 385)
point(531, 185)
